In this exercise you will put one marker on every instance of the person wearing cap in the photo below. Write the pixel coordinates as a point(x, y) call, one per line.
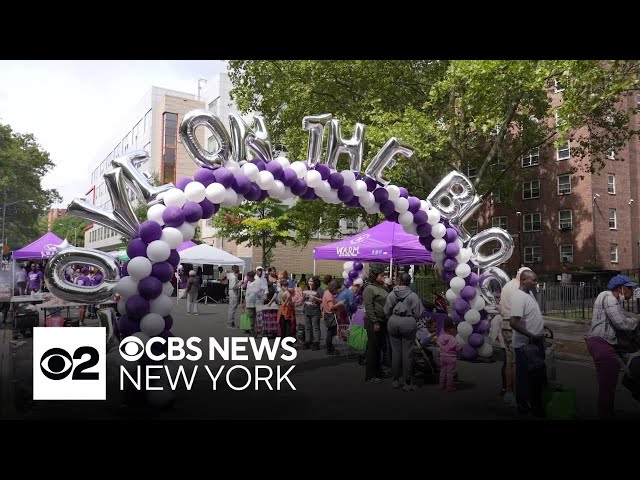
point(260, 277)
point(192, 294)
point(609, 316)
point(375, 322)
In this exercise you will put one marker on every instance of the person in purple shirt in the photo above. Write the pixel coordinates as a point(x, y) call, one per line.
point(83, 280)
point(35, 279)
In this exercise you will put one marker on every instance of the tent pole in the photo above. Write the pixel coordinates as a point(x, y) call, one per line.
point(391, 268)
point(314, 267)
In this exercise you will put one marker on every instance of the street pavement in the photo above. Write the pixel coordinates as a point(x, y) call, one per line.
point(327, 387)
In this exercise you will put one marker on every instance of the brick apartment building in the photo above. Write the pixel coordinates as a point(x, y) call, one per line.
point(565, 223)
point(54, 214)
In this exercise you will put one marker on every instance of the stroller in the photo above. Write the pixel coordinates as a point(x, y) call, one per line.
point(424, 364)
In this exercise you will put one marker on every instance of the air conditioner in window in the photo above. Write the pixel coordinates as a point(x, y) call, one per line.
point(565, 226)
point(567, 258)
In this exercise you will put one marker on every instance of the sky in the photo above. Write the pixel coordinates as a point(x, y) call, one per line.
point(73, 107)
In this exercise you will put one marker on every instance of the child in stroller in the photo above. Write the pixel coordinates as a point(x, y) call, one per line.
point(426, 353)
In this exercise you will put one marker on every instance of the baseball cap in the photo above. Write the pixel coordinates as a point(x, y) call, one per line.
point(259, 268)
point(619, 281)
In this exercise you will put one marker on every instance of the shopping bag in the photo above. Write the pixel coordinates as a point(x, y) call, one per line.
point(560, 402)
point(245, 322)
point(358, 338)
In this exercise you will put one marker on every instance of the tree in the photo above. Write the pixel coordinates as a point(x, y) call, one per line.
point(22, 165)
point(71, 228)
point(263, 225)
point(457, 115)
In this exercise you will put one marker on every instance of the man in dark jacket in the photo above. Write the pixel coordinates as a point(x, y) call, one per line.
point(403, 308)
point(375, 322)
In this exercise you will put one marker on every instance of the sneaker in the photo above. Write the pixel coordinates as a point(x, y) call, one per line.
point(409, 387)
point(195, 313)
point(374, 380)
point(395, 384)
point(509, 399)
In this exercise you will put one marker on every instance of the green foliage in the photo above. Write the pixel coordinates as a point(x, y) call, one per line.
point(71, 228)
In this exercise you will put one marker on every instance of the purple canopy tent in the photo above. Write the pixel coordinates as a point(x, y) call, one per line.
point(386, 242)
point(44, 247)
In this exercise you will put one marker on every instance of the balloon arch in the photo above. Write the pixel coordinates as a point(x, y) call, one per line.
point(228, 176)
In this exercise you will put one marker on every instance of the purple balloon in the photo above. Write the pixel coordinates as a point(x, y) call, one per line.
point(414, 204)
point(224, 176)
point(371, 184)
point(254, 193)
point(475, 340)
point(482, 326)
point(461, 306)
point(150, 231)
point(183, 182)
point(393, 217)
point(381, 195)
point(448, 276)
point(309, 194)
point(323, 170)
point(136, 248)
point(263, 196)
point(276, 170)
point(336, 180)
point(456, 317)
point(173, 260)
point(168, 323)
point(404, 193)
point(150, 288)
point(289, 177)
point(358, 265)
point(299, 188)
point(259, 163)
point(241, 183)
point(163, 271)
point(205, 176)
point(472, 279)
point(192, 211)
point(449, 264)
point(424, 230)
point(347, 283)
point(426, 241)
point(353, 203)
point(208, 208)
point(452, 250)
point(420, 218)
point(345, 193)
point(387, 207)
point(173, 216)
point(358, 299)
point(353, 274)
point(468, 293)
point(127, 325)
point(123, 269)
point(451, 235)
point(137, 306)
point(468, 352)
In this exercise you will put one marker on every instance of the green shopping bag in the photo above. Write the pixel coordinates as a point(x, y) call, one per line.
point(560, 402)
point(245, 322)
point(358, 337)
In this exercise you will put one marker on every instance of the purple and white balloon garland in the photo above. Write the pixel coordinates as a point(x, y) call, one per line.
point(145, 288)
point(353, 270)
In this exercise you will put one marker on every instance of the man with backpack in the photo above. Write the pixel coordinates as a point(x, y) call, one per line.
point(403, 308)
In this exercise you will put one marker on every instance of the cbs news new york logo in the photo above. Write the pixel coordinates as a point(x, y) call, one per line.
point(69, 363)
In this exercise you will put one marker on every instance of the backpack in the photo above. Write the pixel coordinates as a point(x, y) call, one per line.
point(400, 309)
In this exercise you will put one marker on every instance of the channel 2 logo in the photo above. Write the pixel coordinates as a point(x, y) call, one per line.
point(69, 363)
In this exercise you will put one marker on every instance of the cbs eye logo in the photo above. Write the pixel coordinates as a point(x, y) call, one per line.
point(69, 363)
point(57, 364)
point(132, 349)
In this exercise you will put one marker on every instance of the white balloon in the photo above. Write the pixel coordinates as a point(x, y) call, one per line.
point(451, 296)
point(155, 213)
point(230, 198)
point(322, 189)
point(461, 341)
point(158, 251)
point(411, 228)
point(277, 190)
point(402, 205)
point(161, 305)
point(313, 178)
point(195, 192)
point(126, 287)
point(367, 199)
point(464, 255)
point(478, 303)
point(152, 324)
point(142, 336)
point(349, 177)
point(265, 180)
point(438, 256)
point(425, 205)
point(251, 171)
point(394, 192)
point(345, 275)
point(287, 194)
point(373, 209)
point(172, 236)
point(174, 197)
point(233, 166)
point(472, 316)
point(458, 242)
point(485, 350)
point(122, 310)
point(216, 192)
point(463, 270)
point(359, 188)
point(283, 161)
point(167, 289)
point(457, 284)
point(348, 266)
point(300, 169)
point(464, 330)
point(139, 268)
point(405, 219)
point(433, 216)
point(438, 230)
point(438, 245)
point(332, 197)
point(187, 230)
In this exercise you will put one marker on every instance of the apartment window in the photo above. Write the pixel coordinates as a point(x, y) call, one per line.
point(170, 135)
point(613, 219)
point(532, 158)
point(471, 172)
point(559, 120)
point(566, 253)
point(563, 151)
point(614, 253)
point(532, 254)
point(213, 105)
point(472, 226)
point(212, 143)
point(564, 184)
point(611, 154)
point(500, 222)
point(531, 222)
point(611, 184)
point(531, 189)
point(558, 85)
point(352, 225)
point(147, 121)
point(566, 219)
point(496, 198)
